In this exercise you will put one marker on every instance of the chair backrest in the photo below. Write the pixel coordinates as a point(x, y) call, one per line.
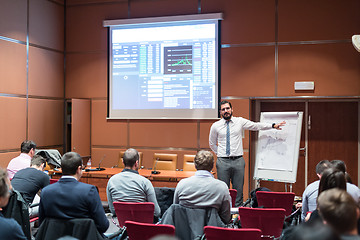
point(165, 161)
point(53, 180)
point(189, 222)
point(233, 194)
point(283, 200)
point(120, 163)
point(188, 164)
point(79, 228)
point(134, 211)
point(269, 220)
point(215, 233)
point(145, 231)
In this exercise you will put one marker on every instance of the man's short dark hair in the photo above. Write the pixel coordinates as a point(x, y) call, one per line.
point(37, 160)
point(338, 209)
point(27, 145)
point(322, 166)
point(4, 188)
point(338, 164)
point(224, 102)
point(130, 157)
point(204, 160)
point(70, 162)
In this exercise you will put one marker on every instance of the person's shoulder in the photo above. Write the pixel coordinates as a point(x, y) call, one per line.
point(9, 223)
point(219, 184)
point(352, 187)
point(217, 122)
point(313, 184)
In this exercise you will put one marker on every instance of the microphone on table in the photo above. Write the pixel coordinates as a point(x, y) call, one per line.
point(154, 171)
point(98, 168)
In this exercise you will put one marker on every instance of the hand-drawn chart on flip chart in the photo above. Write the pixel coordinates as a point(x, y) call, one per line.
point(277, 151)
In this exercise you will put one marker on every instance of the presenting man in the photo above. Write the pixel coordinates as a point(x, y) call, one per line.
point(129, 186)
point(68, 198)
point(23, 160)
point(225, 140)
point(202, 190)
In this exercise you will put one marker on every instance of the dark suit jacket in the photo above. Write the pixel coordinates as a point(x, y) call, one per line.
point(69, 198)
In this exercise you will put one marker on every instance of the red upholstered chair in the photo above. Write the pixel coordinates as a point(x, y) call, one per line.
point(134, 211)
point(215, 233)
point(233, 194)
point(145, 231)
point(53, 180)
point(269, 220)
point(283, 200)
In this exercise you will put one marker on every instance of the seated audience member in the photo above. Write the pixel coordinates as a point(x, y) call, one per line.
point(310, 232)
point(9, 228)
point(311, 192)
point(29, 181)
point(339, 210)
point(68, 198)
point(331, 178)
point(202, 190)
point(129, 186)
point(23, 160)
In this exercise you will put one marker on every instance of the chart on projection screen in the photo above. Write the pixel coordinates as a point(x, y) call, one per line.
point(277, 149)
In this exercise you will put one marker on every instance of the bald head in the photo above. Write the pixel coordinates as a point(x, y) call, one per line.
point(130, 157)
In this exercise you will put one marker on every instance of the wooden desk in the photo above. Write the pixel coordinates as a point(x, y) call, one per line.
point(166, 178)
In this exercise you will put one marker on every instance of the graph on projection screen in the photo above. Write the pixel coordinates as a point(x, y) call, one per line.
point(277, 151)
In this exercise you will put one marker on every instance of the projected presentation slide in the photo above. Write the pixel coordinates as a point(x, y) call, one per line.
point(171, 66)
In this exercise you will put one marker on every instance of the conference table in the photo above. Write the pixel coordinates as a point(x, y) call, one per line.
point(166, 178)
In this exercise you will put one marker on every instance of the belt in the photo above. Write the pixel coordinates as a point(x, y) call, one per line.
point(232, 157)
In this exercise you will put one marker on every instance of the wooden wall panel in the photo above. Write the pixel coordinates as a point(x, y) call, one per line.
point(163, 133)
point(106, 132)
point(12, 67)
point(46, 119)
point(318, 20)
point(13, 19)
point(85, 30)
point(333, 67)
point(244, 21)
point(12, 122)
point(157, 8)
point(85, 2)
point(204, 133)
point(80, 126)
point(148, 154)
point(110, 156)
point(248, 71)
point(5, 158)
point(46, 73)
point(46, 24)
point(86, 75)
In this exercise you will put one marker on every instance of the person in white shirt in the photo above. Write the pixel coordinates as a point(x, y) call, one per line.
point(225, 139)
point(23, 160)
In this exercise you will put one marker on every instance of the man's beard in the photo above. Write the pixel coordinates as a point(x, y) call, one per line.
point(227, 117)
